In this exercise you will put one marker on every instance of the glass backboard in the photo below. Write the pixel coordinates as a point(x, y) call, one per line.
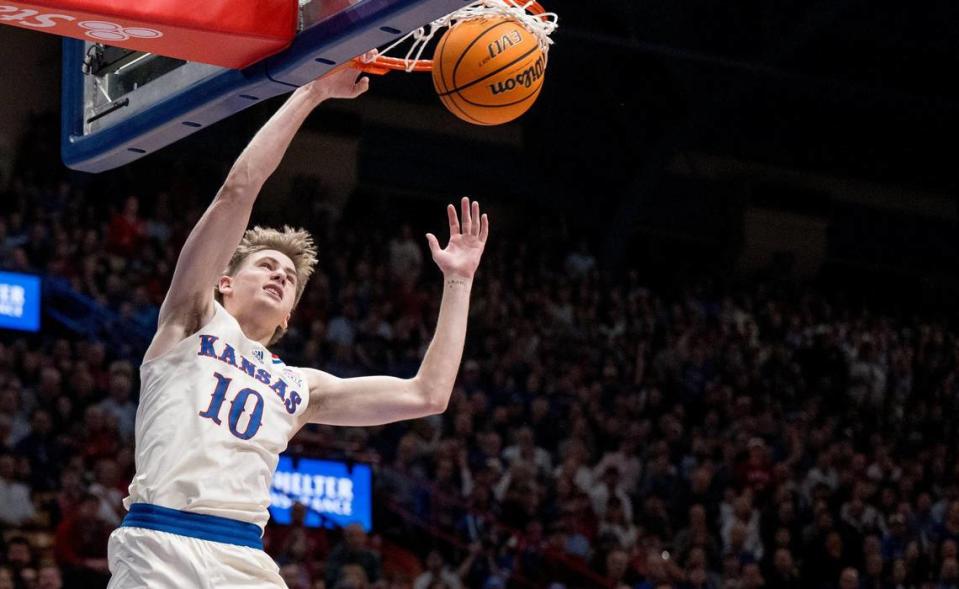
point(119, 105)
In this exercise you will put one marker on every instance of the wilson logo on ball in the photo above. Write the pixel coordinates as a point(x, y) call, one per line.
point(524, 79)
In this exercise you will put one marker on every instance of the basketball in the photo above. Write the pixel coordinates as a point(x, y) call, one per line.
point(488, 71)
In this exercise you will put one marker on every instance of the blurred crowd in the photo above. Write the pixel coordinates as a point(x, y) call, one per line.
point(601, 433)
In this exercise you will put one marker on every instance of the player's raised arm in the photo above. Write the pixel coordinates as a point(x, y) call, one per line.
point(211, 243)
point(375, 400)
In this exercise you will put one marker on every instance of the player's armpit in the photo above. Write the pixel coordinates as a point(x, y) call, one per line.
point(178, 325)
point(368, 400)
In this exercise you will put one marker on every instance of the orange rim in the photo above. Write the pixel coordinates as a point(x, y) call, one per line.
point(383, 65)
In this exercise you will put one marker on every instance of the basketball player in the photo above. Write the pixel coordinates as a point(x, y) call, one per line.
point(216, 408)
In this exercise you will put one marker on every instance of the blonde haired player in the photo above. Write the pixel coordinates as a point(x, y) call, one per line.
point(216, 410)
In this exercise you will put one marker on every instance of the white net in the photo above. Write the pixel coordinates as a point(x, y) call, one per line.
point(541, 25)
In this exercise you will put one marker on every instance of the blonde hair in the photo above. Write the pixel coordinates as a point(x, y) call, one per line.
point(296, 244)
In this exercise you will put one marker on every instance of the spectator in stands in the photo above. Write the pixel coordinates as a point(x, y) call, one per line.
point(49, 577)
point(437, 571)
point(19, 426)
point(119, 404)
point(48, 389)
point(28, 577)
point(127, 230)
point(526, 452)
point(849, 579)
point(43, 450)
point(609, 487)
point(19, 559)
point(99, 437)
point(741, 519)
point(16, 507)
point(784, 574)
point(949, 528)
point(406, 257)
point(295, 576)
point(626, 460)
point(72, 490)
point(80, 545)
point(297, 543)
point(617, 570)
point(352, 576)
point(353, 550)
point(752, 577)
point(108, 489)
point(616, 525)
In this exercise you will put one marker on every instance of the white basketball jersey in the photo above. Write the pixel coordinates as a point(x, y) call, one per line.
point(215, 413)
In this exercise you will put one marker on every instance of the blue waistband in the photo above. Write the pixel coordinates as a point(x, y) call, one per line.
point(193, 525)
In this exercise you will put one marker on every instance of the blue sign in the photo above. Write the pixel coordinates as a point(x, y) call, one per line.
point(19, 301)
point(335, 495)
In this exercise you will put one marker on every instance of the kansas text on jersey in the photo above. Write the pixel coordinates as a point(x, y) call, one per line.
point(215, 413)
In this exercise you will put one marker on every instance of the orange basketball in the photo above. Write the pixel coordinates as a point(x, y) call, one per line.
point(488, 71)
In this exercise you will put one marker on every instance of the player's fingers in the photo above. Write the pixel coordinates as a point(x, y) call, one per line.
point(476, 218)
point(361, 86)
point(432, 241)
point(467, 222)
point(484, 228)
point(454, 222)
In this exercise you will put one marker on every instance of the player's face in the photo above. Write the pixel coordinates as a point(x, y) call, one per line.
point(266, 281)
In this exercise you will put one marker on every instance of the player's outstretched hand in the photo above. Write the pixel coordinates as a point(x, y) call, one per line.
point(343, 82)
point(462, 254)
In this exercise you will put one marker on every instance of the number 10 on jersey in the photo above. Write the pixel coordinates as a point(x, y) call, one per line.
point(237, 408)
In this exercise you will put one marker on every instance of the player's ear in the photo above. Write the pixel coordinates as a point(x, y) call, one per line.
point(224, 285)
point(286, 321)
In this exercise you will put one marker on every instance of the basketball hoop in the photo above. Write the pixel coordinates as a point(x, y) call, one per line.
point(530, 14)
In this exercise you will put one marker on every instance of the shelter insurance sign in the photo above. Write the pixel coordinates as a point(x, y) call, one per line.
point(334, 493)
point(19, 301)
